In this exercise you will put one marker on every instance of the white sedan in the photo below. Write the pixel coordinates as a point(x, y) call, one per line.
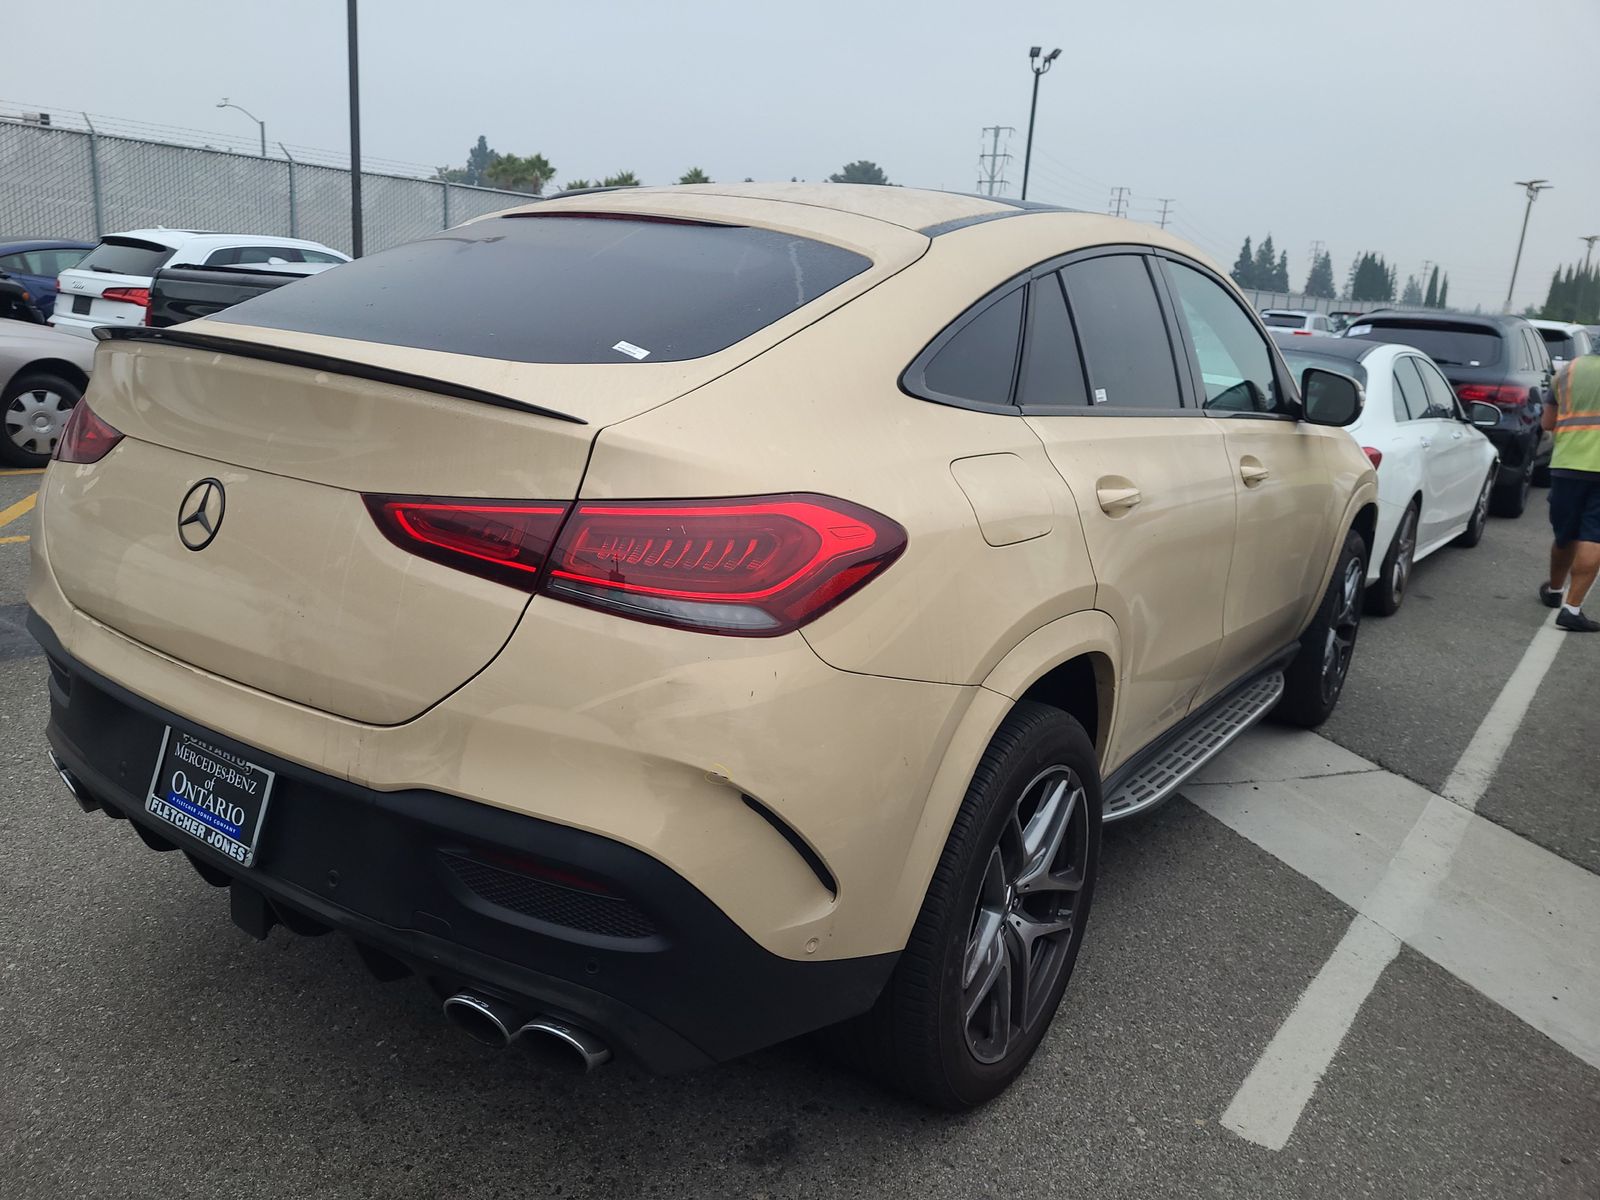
point(1435, 467)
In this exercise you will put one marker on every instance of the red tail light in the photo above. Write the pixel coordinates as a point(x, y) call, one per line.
point(506, 541)
point(1503, 395)
point(86, 438)
point(128, 295)
point(755, 566)
point(1374, 455)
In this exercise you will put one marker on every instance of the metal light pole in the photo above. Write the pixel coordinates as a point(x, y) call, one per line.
point(1038, 68)
point(226, 103)
point(1589, 253)
point(1533, 187)
point(355, 133)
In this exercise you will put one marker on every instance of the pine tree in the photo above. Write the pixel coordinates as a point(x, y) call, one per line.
point(1413, 292)
point(1430, 298)
point(1444, 292)
point(1244, 269)
point(1266, 264)
point(1319, 283)
point(1354, 274)
point(1280, 274)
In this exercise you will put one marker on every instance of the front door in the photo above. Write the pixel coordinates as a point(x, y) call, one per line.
point(1150, 477)
point(1279, 474)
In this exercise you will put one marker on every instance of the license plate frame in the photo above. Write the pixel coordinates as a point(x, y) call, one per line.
point(211, 795)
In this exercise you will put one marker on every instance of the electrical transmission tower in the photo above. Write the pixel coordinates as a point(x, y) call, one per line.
point(1119, 202)
point(1166, 205)
point(1317, 248)
point(992, 180)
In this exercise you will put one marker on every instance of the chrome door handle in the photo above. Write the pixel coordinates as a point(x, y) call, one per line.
point(1118, 500)
point(1456, 436)
point(1253, 473)
point(1426, 442)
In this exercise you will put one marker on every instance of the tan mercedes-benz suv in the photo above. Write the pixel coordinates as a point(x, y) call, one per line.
point(670, 621)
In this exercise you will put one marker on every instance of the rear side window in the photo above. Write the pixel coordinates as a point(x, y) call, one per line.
point(1052, 371)
point(1560, 345)
point(565, 289)
point(979, 361)
point(1537, 355)
point(1447, 345)
point(234, 256)
point(1441, 397)
point(1284, 321)
point(1411, 397)
point(126, 256)
point(1123, 334)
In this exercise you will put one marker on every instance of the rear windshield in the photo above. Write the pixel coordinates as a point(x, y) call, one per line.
point(1285, 320)
point(1345, 366)
point(1560, 345)
point(565, 289)
point(126, 256)
point(1447, 345)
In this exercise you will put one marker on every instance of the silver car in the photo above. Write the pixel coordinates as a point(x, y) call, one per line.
point(42, 375)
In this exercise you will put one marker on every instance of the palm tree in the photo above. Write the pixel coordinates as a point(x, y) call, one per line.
point(516, 174)
point(695, 175)
point(577, 185)
point(621, 179)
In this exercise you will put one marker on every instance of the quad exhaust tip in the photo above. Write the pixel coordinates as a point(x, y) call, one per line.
point(551, 1042)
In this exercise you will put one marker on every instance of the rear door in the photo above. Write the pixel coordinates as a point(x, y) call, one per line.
point(1276, 465)
point(1150, 476)
point(1453, 465)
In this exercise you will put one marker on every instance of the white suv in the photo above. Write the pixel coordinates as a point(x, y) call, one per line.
point(1296, 320)
point(111, 285)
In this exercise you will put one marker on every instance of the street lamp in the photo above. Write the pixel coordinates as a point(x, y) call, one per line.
point(226, 103)
point(1533, 187)
point(1038, 68)
point(1589, 253)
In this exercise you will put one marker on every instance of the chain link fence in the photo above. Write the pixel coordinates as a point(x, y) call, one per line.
point(68, 183)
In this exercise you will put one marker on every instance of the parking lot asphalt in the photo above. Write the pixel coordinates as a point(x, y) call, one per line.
point(151, 1049)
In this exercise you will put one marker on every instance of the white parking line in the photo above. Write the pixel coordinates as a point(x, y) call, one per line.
point(1491, 930)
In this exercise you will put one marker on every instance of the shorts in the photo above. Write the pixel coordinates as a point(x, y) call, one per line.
point(1575, 507)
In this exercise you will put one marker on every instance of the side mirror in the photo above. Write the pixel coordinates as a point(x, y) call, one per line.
point(1484, 416)
point(1330, 398)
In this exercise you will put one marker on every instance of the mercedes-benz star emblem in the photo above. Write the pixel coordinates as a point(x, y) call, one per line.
point(200, 514)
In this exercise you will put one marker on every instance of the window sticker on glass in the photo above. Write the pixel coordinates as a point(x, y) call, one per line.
point(1358, 330)
point(631, 350)
point(1099, 395)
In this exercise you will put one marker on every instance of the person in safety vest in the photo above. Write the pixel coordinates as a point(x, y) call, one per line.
point(1573, 414)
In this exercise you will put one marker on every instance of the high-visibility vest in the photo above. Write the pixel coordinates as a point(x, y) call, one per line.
point(1578, 416)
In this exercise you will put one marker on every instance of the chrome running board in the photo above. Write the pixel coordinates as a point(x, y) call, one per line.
point(1153, 779)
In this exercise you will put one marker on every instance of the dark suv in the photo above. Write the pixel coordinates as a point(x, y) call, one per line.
point(1497, 360)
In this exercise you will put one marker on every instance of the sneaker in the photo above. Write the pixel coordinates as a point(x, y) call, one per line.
point(1578, 623)
point(1551, 597)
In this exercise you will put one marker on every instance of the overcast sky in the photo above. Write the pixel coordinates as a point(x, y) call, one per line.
point(1389, 125)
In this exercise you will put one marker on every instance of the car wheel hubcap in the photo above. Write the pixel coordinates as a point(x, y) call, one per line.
point(1025, 917)
point(34, 420)
point(1342, 629)
point(1405, 552)
point(1480, 515)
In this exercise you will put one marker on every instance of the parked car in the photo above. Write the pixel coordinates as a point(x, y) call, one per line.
point(825, 602)
point(1565, 341)
point(42, 376)
point(1489, 359)
point(1296, 320)
point(1340, 319)
point(184, 293)
point(16, 303)
point(35, 263)
point(111, 286)
point(1436, 469)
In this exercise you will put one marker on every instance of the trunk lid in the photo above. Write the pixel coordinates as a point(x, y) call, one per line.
point(299, 594)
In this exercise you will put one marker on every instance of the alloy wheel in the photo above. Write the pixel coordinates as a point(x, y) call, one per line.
point(34, 419)
point(1026, 914)
point(1405, 550)
point(1480, 514)
point(1342, 629)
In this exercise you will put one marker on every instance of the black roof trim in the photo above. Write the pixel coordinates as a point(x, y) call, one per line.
point(1014, 208)
point(323, 362)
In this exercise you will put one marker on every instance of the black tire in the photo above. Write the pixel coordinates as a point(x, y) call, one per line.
point(1317, 673)
point(22, 443)
point(1385, 597)
point(1473, 534)
point(1510, 500)
point(919, 1037)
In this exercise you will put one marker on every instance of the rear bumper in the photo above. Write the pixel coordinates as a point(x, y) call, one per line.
point(422, 882)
